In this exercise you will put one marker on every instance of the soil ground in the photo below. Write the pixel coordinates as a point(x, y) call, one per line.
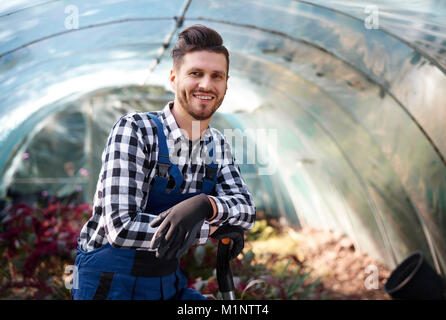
point(345, 272)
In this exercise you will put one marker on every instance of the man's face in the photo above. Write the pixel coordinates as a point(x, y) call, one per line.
point(200, 83)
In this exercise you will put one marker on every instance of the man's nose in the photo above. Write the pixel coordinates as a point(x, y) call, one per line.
point(205, 83)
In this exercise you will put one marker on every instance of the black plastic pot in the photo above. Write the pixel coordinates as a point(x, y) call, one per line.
point(415, 279)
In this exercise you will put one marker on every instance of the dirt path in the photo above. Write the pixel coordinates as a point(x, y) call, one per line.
point(342, 268)
point(346, 272)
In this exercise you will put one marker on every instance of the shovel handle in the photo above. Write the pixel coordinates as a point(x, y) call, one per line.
point(224, 274)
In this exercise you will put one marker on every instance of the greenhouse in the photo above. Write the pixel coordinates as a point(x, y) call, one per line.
point(335, 109)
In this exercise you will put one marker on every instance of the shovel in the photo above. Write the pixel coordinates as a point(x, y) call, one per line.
point(224, 273)
point(227, 235)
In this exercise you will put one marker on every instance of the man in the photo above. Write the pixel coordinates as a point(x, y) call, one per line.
point(159, 191)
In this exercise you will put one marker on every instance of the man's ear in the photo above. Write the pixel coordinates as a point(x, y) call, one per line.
point(172, 79)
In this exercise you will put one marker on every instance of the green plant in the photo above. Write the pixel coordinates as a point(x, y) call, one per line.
point(282, 277)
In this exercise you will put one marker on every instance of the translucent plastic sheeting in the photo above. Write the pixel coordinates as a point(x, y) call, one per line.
point(353, 116)
point(64, 157)
point(419, 24)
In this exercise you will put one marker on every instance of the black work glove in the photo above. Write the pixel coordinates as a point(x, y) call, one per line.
point(235, 233)
point(178, 226)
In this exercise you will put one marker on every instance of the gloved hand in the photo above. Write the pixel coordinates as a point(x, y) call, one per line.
point(235, 233)
point(178, 226)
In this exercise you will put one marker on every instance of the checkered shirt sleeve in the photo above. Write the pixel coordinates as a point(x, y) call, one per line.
point(235, 205)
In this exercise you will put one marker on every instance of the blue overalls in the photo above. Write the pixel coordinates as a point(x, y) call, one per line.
point(116, 273)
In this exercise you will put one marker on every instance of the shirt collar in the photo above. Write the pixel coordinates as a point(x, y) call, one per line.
point(170, 122)
point(172, 126)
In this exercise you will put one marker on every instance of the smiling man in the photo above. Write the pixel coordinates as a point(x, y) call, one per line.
point(168, 181)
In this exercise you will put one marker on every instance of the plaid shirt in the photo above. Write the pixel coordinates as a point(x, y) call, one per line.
point(129, 166)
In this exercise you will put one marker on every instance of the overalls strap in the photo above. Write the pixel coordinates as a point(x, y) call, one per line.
point(163, 163)
point(210, 170)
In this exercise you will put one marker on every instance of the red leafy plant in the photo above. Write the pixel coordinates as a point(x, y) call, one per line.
point(35, 246)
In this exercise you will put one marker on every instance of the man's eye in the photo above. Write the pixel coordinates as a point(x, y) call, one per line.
point(195, 73)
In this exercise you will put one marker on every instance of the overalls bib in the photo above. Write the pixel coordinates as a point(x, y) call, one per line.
point(116, 273)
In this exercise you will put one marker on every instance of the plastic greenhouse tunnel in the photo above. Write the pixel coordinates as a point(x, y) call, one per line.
point(335, 110)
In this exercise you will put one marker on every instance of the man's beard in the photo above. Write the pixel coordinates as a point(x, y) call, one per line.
point(186, 105)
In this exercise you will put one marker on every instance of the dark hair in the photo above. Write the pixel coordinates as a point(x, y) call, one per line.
point(195, 38)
